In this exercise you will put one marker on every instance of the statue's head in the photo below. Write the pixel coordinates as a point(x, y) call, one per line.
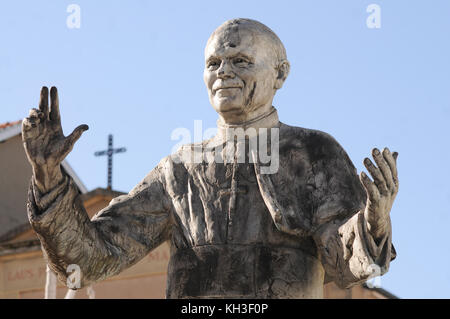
point(245, 64)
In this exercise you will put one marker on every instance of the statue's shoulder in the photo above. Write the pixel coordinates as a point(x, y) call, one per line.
point(186, 155)
point(317, 143)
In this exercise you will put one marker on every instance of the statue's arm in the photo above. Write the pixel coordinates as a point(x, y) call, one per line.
point(350, 254)
point(116, 238)
point(355, 244)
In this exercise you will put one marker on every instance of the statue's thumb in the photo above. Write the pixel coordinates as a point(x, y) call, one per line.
point(76, 134)
point(72, 138)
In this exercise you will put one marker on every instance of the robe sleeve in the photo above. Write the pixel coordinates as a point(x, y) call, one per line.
point(348, 252)
point(116, 238)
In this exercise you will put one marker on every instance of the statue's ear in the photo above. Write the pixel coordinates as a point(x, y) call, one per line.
point(283, 71)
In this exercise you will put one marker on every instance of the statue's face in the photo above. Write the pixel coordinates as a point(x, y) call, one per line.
point(240, 72)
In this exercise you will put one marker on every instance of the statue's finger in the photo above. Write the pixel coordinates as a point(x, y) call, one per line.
point(395, 154)
point(390, 159)
point(36, 115)
point(54, 105)
point(377, 176)
point(371, 190)
point(33, 121)
point(43, 101)
point(28, 128)
point(384, 167)
point(72, 138)
point(26, 124)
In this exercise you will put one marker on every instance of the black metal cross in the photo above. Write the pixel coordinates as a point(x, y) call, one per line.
point(110, 151)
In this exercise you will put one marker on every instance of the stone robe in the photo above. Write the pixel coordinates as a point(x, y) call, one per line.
point(233, 231)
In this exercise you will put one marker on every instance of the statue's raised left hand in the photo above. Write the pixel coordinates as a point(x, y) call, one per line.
point(44, 141)
point(381, 191)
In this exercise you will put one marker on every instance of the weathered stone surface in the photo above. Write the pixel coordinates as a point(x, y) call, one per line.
point(234, 229)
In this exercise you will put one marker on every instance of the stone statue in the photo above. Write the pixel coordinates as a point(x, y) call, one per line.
point(234, 231)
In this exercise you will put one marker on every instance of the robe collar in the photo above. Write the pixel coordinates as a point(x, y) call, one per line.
point(267, 120)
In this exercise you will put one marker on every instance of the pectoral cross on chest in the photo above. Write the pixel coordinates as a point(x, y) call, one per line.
point(233, 192)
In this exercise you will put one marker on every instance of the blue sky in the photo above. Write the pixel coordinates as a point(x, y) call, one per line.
point(134, 69)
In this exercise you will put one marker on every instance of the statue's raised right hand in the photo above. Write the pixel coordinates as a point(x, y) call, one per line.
point(44, 141)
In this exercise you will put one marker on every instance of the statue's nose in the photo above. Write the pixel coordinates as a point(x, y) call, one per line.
point(225, 71)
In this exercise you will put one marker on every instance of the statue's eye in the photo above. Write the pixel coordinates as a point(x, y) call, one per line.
point(213, 65)
point(240, 62)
